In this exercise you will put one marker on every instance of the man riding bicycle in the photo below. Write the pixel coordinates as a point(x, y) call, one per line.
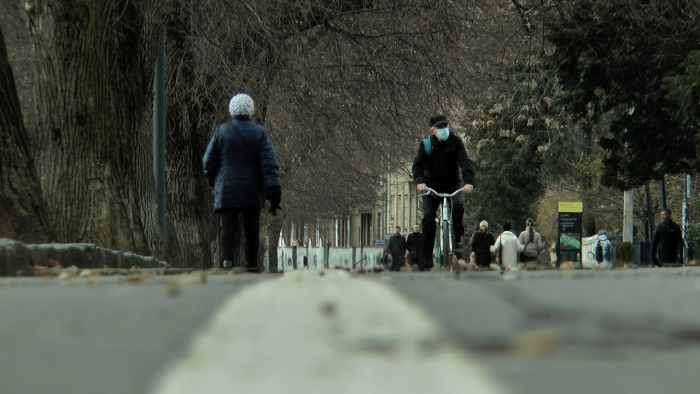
point(436, 166)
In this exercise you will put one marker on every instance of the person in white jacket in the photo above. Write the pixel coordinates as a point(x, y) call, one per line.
point(507, 247)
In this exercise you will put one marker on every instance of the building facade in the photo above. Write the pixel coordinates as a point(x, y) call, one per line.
point(365, 227)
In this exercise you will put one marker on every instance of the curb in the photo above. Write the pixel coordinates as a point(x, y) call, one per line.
point(19, 259)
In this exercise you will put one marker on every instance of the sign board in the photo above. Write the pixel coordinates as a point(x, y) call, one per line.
point(570, 231)
point(379, 242)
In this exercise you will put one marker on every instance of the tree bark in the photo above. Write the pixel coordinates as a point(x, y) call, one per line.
point(21, 204)
point(93, 63)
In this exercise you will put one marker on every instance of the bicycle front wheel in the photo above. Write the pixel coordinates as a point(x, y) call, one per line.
point(446, 244)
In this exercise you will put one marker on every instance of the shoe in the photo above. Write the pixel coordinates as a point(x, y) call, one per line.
point(228, 264)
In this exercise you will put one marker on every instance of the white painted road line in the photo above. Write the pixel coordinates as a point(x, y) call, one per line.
point(331, 333)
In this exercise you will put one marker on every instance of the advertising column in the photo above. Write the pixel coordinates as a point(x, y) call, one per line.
point(570, 229)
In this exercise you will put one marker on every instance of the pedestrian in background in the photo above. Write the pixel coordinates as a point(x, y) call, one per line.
point(414, 244)
point(667, 243)
point(397, 249)
point(507, 247)
point(242, 168)
point(481, 243)
point(532, 241)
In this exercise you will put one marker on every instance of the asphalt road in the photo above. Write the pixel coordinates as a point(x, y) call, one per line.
point(99, 335)
point(626, 331)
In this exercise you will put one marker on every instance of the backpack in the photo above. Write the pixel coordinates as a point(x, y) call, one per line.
point(603, 250)
point(427, 146)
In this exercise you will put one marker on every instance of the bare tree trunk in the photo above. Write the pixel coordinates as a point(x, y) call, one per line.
point(94, 63)
point(193, 227)
point(21, 205)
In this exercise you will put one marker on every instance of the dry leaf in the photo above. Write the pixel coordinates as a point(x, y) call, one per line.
point(55, 264)
point(40, 266)
point(535, 343)
point(106, 267)
point(567, 265)
point(89, 273)
point(135, 267)
point(172, 288)
point(67, 274)
point(137, 278)
point(74, 268)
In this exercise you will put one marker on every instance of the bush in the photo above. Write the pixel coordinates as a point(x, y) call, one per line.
point(694, 235)
point(625, 251)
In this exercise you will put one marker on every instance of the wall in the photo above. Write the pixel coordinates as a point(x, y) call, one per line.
point(361, 258)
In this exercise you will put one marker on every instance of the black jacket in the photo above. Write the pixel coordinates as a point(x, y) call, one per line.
point(414, 243)
point(240, 164)
point(397, 248)
point(668, 241)
point(481, 244)
point(440, 170)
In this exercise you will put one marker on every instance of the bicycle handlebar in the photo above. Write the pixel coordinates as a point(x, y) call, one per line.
point(432, 191)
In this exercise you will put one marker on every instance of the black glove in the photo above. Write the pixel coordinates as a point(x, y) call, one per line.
point(274, 194)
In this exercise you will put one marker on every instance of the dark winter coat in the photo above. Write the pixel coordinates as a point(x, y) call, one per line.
point(440, 169)
point(481, 246)
point(397, 247)
point(668, 242)
point(414, 244)
point(240, 165)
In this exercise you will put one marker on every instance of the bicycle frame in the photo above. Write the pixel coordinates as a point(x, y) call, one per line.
point(443, 232)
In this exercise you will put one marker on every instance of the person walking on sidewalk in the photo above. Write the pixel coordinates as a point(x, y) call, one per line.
point(532, 241)
point(241, 166)
point(481, 243)
point(414, 244)
point(397, 249)
point(436, 166)
point(667, 241)
point(506, 248)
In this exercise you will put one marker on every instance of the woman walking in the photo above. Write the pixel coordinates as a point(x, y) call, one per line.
point(242, 168)
point(507, 247)
point(481, 243)
point(532, 241)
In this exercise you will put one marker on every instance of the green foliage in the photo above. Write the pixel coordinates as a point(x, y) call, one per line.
point(513, 137)
point(611, 58)
point(694, 235)
point(625, 251)
point(684, 89)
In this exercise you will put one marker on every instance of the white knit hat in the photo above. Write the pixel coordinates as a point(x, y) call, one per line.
point(241, 104)
point(484, 225)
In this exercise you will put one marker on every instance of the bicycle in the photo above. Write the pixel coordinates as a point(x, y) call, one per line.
point(443, 234)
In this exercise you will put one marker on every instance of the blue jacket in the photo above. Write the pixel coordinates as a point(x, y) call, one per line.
point(240, 165)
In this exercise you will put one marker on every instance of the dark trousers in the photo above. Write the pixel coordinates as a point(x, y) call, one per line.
point(230, 223)
point(430, 207)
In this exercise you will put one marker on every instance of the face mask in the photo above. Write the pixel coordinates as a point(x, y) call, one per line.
point(442, 134)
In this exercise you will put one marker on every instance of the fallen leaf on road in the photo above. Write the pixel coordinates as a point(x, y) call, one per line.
point(54, 263)
point(89, 273)
point(567, 265)
point(135, 267)
point(173, 286)
point(68, 274)
point(137, 278)
point(535, 343)
point(694, 262)
point(38, 265)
